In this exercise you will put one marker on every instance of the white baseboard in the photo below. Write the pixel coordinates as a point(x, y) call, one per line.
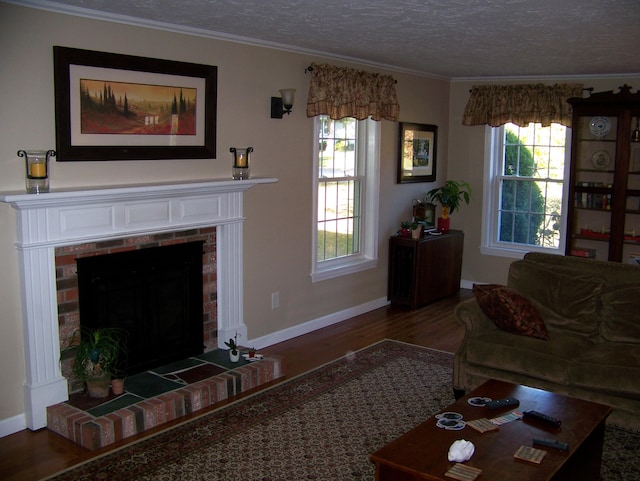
point(466, 284)
point(13, 425)
point(315, 324)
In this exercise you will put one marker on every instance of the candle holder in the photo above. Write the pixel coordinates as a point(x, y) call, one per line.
point(240, 162)
point(37, 169)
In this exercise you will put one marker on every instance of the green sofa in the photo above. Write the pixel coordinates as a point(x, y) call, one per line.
point(591, 310)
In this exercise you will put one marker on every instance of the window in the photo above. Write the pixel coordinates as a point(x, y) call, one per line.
point(524, 207)
point(346, 160)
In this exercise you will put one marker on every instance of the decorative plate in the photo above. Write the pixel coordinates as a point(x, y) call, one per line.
point(600, 126)
point(601, 159)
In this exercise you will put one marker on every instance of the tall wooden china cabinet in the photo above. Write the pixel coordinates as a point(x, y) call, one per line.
point(603, 218)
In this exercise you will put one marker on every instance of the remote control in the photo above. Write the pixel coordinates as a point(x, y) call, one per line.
point(503, 403)
point(535, 415)
point(552, 443)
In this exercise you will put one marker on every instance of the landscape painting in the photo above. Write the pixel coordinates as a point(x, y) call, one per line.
point(136, 109)
point(122, 107)
point(417, 148)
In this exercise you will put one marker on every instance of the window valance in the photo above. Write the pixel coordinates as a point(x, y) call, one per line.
point(345, 92)
point(521, 104)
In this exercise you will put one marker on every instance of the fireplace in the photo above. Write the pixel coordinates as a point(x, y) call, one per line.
point(154, 295)
point(71, 217)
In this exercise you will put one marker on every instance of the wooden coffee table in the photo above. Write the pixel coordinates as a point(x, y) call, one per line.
point(421, 454)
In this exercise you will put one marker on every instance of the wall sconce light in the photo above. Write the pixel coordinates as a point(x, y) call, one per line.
point(282, 105)
point(635, 135)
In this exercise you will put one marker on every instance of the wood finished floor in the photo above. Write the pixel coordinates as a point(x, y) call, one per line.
point(28, 455)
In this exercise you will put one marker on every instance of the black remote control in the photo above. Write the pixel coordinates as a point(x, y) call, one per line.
point(552, 443)
point(503, 403)
point(537, 416)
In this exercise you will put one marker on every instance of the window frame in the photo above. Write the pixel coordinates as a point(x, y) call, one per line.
point(368, 159)
point(493, 162)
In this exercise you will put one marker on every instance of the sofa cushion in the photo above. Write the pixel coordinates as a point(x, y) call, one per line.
point(572, 298)
point(510, 311)
point(608, 367)
point(620, 316)
point(527, 356)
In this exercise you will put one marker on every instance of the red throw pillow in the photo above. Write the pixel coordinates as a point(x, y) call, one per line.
point(510, 311)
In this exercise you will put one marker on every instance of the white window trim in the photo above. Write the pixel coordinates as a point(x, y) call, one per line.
point(369, 154)
point(491, 198)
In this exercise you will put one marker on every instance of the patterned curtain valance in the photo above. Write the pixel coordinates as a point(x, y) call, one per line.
point(495, 105)
point(341, 92)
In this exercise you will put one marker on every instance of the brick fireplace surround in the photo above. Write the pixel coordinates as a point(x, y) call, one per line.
point(46, 222)
point(69, 320)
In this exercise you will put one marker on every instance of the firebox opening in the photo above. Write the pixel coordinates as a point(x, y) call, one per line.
point(155, 294)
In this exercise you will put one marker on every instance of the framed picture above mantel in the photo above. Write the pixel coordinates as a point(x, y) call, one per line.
point(122, 107)
point(417, 149)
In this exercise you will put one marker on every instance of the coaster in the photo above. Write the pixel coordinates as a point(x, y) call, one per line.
point(483, 425)
point(507, 418)
point(451, 424)
point(529, 454)
point(463, 472)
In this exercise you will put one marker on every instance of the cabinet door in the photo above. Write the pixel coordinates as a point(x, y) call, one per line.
point(402, 271)
point(631, 246)
point(439, 266)
point(604, 205)
point(594, 165)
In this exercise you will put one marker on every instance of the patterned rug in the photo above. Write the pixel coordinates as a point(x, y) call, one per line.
point(322, 425)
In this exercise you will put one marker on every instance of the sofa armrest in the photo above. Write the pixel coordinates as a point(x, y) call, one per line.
point(469, 314)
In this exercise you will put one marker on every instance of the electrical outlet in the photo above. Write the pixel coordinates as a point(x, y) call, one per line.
point(275, 300)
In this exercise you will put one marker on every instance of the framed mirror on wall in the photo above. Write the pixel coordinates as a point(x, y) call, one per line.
point(417, 149)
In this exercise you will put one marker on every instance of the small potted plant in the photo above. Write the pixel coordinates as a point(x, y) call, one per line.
point(405, 229)
point(234, 352)
point(416, 230)
point(96, 352)
point(449, 196)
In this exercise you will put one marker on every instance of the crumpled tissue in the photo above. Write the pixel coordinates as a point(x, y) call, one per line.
point(461, 451)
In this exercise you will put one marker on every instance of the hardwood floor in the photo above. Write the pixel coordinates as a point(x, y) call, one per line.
point(27, 455)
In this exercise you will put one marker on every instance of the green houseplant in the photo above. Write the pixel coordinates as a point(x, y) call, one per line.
point(449, 196)
point(234, 353)
point(96, 354)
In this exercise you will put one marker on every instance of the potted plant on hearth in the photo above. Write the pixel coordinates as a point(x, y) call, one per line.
point(234, 352)
point(449, 196)
point(96, 353)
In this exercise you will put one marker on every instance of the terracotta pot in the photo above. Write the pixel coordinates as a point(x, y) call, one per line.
point(117, 386)
point(98, 387)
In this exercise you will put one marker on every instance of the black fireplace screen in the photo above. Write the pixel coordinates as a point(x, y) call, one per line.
point(155, 294)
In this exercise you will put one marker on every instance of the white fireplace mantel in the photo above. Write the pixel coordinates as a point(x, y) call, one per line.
point(67, 217)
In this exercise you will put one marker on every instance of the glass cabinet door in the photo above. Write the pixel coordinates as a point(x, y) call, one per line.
point(594, 165)
point(631, 246)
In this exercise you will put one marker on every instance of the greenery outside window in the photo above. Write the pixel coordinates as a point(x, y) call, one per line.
point(524, 208)
point(346, 160)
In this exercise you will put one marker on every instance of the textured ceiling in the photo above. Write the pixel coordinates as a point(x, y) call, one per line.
point(447, 38)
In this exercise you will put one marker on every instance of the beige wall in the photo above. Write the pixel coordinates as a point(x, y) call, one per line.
point(466, 161)
point(278, 228)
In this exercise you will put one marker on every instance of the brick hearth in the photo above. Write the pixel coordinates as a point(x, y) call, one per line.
point(93, 432)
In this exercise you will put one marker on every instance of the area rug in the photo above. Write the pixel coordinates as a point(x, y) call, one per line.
point(322, 425)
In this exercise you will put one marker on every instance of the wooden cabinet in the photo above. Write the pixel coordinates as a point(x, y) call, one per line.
point(603, 218)
point(424, 270)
